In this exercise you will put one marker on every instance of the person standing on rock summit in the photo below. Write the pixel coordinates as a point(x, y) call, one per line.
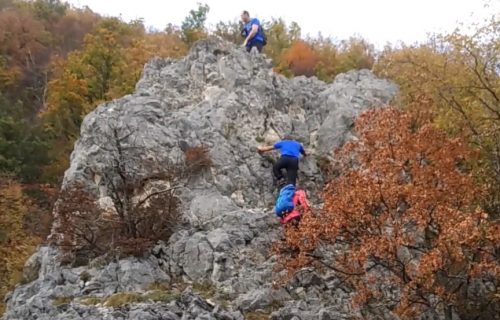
point(289, 160)
point(252, 32)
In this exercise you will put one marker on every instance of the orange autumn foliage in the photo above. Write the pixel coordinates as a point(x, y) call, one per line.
point(404, 214)
point(16, 243)
point(22, 38)
point(300, 59)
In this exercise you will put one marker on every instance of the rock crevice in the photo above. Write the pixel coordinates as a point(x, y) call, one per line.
point(231, 101)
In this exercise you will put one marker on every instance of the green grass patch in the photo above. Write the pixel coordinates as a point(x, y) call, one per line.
point(161, 296)
point(163, 286)
point(204, 289)
point(122, 299)
point(125, 298)
point(60, 301)
point(91, 301)
point(257, 315)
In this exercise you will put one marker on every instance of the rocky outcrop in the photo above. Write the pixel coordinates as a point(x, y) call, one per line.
point(231, 101)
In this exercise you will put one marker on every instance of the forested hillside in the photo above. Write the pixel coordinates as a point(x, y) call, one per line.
point(57, 63)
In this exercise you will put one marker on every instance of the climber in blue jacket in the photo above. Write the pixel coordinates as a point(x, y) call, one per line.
point(252, 32)
point(289, 160)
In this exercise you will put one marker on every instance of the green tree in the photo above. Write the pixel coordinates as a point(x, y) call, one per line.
point(326, 51)
point(279, 38)
point(107, 67)
point(193, 27)
point(22, 149)
point(49, 10)
point(230, 31)
point(355, 53)
point(81, 82)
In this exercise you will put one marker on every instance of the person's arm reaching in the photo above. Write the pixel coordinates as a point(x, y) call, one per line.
point(277, 145)
point(253, 32)
point(303, 151)
point(265, 148)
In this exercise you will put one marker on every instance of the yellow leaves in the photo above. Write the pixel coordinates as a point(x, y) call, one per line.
point(355, 53)
point(327, 59)
point(15, 244)
point(456, 75)
point(320, 56)
point(12, 210)
point(8, 75)
point(107, 67)
point(166, 45)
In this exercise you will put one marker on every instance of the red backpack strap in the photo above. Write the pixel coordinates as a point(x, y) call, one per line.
point(299, 197)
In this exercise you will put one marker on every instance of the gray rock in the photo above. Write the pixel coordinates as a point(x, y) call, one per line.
point(204, 207)
point(133, 274)
point(308, 278)
point(198, 257)
point(32, 267)
point(42, 262)
point(231, 101)
point(255, 299)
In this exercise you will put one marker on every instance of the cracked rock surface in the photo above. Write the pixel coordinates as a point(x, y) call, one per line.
point(231, 101)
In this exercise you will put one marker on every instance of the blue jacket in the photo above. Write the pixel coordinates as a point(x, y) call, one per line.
point(290, 148)
point(259, 36)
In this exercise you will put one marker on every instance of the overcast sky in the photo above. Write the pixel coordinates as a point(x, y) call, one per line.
point(379, 21)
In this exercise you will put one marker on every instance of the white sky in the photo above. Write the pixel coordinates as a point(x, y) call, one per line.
point(379, 21)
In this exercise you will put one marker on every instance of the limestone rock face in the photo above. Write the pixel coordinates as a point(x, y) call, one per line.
point(231, 101)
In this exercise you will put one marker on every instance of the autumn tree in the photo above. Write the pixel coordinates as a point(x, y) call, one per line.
point(24, 51)
point(32, 36)
point(355, 54)
point(300, 59)
point(142, 205)
point(317, 56)
point(279, 38)
point(404, 216)
point(140, 216)
point(457, 76)
point(49, 10)
point(138, 53)
point(165, 45)
point(69, 30)
point(15, 244)
point(326, 52)
point(86, 78)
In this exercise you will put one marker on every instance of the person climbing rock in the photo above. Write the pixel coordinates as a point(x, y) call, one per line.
point(252, 32)
point(289, 160)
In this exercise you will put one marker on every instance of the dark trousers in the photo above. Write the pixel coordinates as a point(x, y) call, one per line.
point(291, 164)
point(258, 45)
